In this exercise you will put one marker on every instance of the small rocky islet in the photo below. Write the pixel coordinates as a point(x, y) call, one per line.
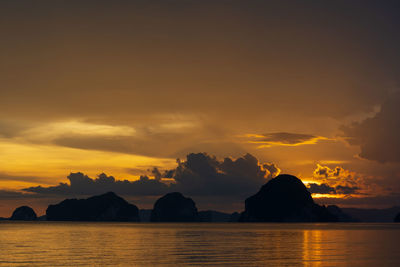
point(23, 213)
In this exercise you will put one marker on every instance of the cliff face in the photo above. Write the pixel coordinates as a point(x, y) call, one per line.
point(23, 213)
point(174, 207)
point(284, 199)
point(106, 207)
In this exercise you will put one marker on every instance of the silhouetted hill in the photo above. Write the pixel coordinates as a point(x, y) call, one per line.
point(174, 207)
point(372, 215)
point(342, 216)
point(284, 199)
point(106, 207)
point(397, 218)
point(23, 213)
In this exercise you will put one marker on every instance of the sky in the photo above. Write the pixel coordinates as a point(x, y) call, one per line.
point(210, 98)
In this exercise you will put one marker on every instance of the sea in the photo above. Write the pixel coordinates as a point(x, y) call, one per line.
point(198, 244)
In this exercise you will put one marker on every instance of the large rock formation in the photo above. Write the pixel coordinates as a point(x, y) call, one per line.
point(397, 218)
point(106, 207)
point(284, 199)
point(174, 207)
point(23, 213)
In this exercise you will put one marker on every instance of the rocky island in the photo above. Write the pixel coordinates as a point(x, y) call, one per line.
point(284, 199)
point(106, 207)
point(23, 213)
point(174, 207)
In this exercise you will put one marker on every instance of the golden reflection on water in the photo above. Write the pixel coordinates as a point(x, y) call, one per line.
point(234, 244)
point(312, 249)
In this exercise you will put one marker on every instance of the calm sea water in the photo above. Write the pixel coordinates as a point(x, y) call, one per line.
point(145, 244)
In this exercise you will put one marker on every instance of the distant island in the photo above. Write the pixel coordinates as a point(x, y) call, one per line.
point(174, 207)
point(282, 199)
point(23, 213)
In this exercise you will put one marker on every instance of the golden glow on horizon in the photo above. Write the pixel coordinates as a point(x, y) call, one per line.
point(306, 182)
point(329, 196)
point(316, 195)
point(53, 163)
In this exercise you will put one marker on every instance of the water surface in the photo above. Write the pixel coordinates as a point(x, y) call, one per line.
point(234, 244)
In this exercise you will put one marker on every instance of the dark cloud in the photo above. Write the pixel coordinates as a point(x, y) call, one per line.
point(346, 190)
point(379, 136)
point(200, 174)
point(320, 189)
point(80, 184)
point(327, 189)
point(169, 173)
point(325, 171)
point(157, 174)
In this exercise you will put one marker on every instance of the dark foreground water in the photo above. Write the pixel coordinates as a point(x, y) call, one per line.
point(135, 244)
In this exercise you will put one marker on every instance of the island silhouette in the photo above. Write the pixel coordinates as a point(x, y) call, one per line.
point(174, 207)
point(282, 199)
point(285, 199)
point(23, 213)
point(106, 207)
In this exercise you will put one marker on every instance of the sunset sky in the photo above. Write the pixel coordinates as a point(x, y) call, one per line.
point(125, 88)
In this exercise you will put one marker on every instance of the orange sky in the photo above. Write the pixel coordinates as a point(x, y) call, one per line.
point(124, 87)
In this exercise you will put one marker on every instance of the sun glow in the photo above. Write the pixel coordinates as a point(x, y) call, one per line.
point(328, 196)
point(53, 163)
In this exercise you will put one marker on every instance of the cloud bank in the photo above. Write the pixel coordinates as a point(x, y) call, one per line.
point(339, 181)
point(378, 137)
point(326, 189)
point(200, 174)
